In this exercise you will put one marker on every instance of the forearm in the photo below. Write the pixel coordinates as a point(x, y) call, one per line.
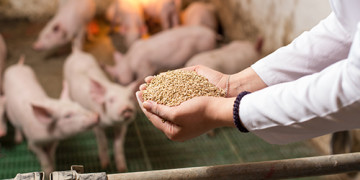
point(325, 44)
point(220, 112)
point(246, 80)
point(311, 106)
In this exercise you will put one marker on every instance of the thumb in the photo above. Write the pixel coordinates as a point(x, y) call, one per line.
point(164, 112)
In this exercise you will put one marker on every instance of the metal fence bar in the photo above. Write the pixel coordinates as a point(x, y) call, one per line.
point(279, 169)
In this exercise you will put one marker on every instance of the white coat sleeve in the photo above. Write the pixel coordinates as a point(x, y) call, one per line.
point(325, 44)
point(311, 106)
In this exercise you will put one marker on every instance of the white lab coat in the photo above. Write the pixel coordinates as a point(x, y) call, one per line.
point(314, 82)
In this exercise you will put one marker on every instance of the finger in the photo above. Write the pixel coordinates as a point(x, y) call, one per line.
point(164, 112)
point(139, 98)
point(172, 131)
point(155, 120)
point(142, 87)
point(190, 68)
point(148, 79)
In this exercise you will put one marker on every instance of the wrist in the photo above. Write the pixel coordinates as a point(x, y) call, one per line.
point(220, 110)
point(236, 113)
point(246, 80)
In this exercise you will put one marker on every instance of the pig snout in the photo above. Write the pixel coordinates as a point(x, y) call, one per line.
point(38, 46)
point(127, 113)
point(93, 120)
point(2, 132)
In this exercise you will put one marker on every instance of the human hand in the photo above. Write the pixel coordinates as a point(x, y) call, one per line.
point(191, 118)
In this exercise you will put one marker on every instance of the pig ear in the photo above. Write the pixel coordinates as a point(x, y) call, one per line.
point(43, 114)
point(65, 92)
point(111, 70)
point(97, 91)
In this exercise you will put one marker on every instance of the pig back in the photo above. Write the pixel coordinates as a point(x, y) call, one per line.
point(74, 15)
point(229, 59)
point(21, 88)
point(20, 81)
point(176, 46)
point(79, 69)
point(200, 13)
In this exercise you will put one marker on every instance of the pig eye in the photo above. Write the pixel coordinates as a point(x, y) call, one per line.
point(112, 100)
point(56, 28)
point(67, 116)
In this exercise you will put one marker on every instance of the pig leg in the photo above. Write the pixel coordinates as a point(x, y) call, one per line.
point(165, 20)
point(43, 156)
point(3, 127)
point(79, 38)
point(175, 19)
point(119, 139)
point(102, 147)
point(52, 151)
point(18, 136)
point(340, 142)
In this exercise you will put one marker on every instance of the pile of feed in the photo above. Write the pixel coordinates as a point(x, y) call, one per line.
point(174, 87)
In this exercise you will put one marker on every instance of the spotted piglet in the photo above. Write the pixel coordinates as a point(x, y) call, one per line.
point(164, 51)
point(68, 25)
point(43, 120)
point(115, 104)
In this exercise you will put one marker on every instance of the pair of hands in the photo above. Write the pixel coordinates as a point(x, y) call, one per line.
point(193, 117)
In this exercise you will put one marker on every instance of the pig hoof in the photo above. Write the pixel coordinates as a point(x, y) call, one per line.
point(18, 140)
point(104, 164)
point(2, 133)
point(211, 133)
point(122, 168)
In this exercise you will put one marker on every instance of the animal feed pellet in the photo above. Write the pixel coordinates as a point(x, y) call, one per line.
point(174, 87)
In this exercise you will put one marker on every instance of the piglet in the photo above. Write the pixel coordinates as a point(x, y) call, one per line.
point(43, 120)
point(200, 13)
point(164, 12)
point(229, 59)
point(164, 51)
point(68, 25)
point(115, 104)
point(128, 15)
point(3, 52)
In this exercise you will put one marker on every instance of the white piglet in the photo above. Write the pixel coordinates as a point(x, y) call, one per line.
point(3, 52)
point(164, 51)
point(43, 120)
point(68, 25)
point(165, 12)
point(200, 13)
point(130, 17)
point(115, 104)
point(229, 59)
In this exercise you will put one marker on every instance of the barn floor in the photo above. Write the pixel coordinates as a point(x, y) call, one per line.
point(146, 147)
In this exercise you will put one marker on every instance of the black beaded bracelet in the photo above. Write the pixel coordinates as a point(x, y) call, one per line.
point(236, 116)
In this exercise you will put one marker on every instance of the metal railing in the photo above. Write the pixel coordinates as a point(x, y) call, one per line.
point(278, 169)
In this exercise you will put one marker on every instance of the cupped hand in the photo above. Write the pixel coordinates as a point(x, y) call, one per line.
point(191, 118)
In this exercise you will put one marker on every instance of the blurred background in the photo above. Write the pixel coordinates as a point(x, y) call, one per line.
point(278, 22)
